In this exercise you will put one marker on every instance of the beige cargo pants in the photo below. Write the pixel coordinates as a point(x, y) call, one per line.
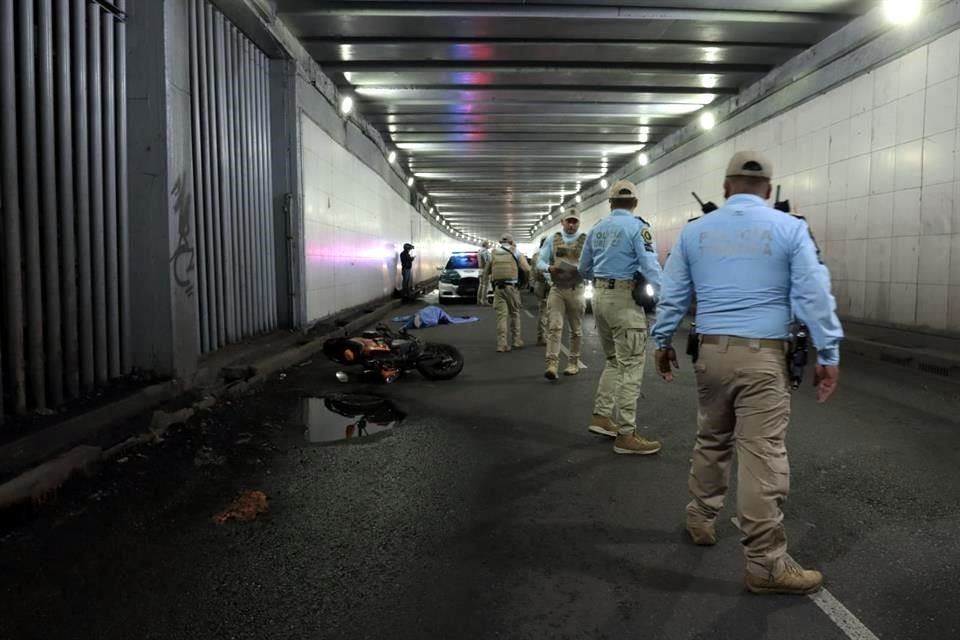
point(569, 305)
point(506, 302)
point(482, 289)
point(744, 403)
point(543, 313)
point(622, 327)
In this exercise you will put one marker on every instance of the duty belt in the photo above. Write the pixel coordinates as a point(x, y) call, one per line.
point(500, 284)
point(568, 287)
point(607, 283)
point(776, 345)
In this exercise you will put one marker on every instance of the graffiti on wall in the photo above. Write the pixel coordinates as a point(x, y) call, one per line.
point(184, 254)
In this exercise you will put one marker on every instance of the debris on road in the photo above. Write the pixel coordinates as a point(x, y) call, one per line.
point(245, 508)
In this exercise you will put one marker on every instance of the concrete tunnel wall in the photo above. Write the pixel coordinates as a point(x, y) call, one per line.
point(354, 212)
point(354, 227)
point(872, 165)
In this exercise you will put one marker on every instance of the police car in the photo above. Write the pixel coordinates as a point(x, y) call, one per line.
point(460, 278)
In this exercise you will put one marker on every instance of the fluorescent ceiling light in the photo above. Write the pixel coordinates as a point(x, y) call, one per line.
point(901, 12)
point(707, 120)
point(346, 105)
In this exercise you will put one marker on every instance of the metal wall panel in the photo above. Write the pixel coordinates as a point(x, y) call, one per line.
point(63, 201)
point(232, 202)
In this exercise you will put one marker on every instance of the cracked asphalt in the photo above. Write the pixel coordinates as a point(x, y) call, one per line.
point(490, 512)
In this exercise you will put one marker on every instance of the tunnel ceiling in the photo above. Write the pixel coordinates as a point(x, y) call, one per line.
point(503, 109)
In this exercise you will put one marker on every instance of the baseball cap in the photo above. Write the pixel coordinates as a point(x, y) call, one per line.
point(506, 238)
point(571, 214)
point(750, 164)
point(624, 189)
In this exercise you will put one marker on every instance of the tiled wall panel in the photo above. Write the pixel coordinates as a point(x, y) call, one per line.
point(873, 166)
point(355, 225)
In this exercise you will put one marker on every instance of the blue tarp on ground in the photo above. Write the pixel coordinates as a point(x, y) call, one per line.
point(432, 316)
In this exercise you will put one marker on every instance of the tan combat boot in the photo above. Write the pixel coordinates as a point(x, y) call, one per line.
point(633, 443)
point(572, 369)
point(702, 533)
point(602, 425)
point(551, 372)
point(795, 580)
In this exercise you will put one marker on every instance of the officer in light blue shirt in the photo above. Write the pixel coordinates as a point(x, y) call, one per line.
point(618, 248)
point(754, 270)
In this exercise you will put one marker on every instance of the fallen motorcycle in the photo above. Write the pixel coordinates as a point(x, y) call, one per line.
point(388, 354)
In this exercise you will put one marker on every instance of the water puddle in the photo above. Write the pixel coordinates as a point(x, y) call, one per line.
point(341, 417)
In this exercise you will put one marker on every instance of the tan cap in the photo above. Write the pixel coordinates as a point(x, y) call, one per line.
point(624, 189)
point(506, 238)
point(750, 164)
point(571, 214)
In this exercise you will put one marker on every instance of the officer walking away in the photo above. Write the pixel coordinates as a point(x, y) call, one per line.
point(406, 270)
point(753, 269)
point(483, 256)
point(618, 248)
point(506, 264)
point(560, 257)
point(541, 289)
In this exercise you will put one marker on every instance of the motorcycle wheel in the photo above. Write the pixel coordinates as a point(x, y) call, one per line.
point(440, 362)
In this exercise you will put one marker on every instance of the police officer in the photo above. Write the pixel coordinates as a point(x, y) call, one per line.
point(753, 269)
point(504, 269)
point(617, 248)
point(560, 257)
point(541, 289)
point(483, 258)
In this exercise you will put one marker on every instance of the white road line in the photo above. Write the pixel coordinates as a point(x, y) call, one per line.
point(839, 614)
point(529, 314)
point(842, 616)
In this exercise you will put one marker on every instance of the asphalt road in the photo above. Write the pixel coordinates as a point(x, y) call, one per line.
point(490, 512)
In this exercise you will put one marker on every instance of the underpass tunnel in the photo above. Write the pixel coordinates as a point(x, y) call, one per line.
point(189, 186)
point(185, 175)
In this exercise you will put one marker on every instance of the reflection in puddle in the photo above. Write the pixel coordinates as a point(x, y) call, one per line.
point(348, 416)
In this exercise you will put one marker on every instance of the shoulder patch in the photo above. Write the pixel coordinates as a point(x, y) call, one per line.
point(646, 235)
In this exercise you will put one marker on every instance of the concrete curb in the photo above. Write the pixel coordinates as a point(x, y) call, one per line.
point(944, 365)
point(41, 476)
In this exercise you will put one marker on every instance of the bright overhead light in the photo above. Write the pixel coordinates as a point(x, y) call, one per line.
point(392, 157)
point(346, 105)
point(707, 120)
point(604, 184)
point(643, 159)
point(579, 199)
point(347, 76)
point(410, 181)
point(425, 198)
point(550, 217)
point(709, 81)
point(901, 11)
point(438, 218)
